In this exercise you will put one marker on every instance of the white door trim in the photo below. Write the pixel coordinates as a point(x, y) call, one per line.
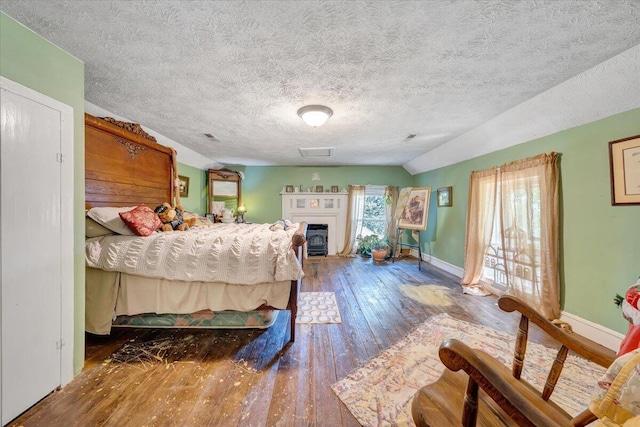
point(66, 241)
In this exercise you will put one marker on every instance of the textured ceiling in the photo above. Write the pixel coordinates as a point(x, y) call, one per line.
point(388, 69)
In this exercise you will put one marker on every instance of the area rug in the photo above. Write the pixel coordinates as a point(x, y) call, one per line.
point(428, 294)
point(318, 307)
point(380, 392)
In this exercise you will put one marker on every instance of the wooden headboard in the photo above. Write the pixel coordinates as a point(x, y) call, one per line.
point(125, 169)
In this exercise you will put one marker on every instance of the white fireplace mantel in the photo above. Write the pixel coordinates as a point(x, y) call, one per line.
point(319, 208)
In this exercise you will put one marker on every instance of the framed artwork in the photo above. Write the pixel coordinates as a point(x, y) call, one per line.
point(445, 196)
point(624, 162)
point(183, 185)
point(289, 188)
point(319, 189)
point(334, 188)
point(416, 209)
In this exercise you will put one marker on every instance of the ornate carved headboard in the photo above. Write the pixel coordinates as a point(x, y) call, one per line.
point(123, 168)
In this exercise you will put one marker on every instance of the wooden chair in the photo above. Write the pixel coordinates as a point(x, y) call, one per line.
point(477, 387)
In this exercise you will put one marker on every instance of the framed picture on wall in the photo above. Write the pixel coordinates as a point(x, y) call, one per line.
point(445, 196)
point(183, 185)
point(289, 188)
point(624, 161)
point(416, 209)
point(319, 188)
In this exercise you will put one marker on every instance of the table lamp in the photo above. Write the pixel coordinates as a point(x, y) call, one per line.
point(241, 211)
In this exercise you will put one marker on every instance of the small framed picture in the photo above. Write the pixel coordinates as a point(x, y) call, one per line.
point(289, 188)
point(334, 189)
point(624, 162)
point(183, 185)
point(445, 196)
point(319, 189)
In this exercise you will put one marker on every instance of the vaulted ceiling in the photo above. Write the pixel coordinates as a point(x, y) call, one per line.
point(389, 69)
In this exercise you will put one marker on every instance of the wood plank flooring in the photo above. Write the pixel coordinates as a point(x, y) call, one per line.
point(250, 377)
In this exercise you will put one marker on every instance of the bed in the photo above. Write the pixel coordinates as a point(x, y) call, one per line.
point(194, 274)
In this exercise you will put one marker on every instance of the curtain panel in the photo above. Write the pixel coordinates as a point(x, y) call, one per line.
point(529, 234)
point(391, 226)
point(355, 215)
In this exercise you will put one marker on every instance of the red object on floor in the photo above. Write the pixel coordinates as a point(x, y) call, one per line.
point(631, 341)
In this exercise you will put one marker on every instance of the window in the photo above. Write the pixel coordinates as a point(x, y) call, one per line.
point(374, 219)
point(519, 253)
point(512, 242)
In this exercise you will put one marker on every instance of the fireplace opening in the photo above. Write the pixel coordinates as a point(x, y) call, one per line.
point(317, 237)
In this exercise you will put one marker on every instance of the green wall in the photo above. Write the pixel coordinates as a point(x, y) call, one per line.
point(30, 60)
point(197, 200)
point(600, 243)
point(262, 184)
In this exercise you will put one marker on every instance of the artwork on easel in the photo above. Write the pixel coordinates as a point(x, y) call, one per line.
point(415, 210)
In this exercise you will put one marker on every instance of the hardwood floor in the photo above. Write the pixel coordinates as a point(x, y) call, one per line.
point(246, 377)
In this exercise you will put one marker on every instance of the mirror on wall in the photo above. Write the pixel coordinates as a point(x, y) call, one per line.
point(224, 190)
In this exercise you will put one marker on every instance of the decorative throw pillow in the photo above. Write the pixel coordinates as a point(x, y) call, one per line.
point(109, 217)
point(142, 220)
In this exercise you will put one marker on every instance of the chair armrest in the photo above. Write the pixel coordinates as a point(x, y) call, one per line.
point(518, 399)
point(574, 342)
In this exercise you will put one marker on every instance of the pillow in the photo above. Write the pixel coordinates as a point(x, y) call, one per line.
point(108, 217)
point(142, 220)
point(93, 229)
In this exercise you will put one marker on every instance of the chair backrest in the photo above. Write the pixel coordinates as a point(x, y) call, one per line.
point(518, 399)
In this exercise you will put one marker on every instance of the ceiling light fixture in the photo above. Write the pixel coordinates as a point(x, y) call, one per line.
point(315, 115)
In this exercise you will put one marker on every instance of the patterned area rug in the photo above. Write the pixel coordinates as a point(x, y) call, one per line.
point(318, 307)
point(380, 392)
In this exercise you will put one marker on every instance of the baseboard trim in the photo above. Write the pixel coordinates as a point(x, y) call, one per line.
point(600, 334)
point(438, 263)
point(595, 332)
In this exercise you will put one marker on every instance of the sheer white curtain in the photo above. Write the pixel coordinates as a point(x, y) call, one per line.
point(530, 235)
point(391, 225)
point(519, 199)
point(480, 219)
point(355, 215)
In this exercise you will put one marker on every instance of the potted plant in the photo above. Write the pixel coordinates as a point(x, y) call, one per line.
point(380, 249)
point(366, 244)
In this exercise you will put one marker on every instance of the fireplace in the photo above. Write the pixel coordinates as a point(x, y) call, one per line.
point(328, 209)
point(317, 236)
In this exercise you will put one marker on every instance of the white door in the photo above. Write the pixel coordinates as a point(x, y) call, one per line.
point(31, 252)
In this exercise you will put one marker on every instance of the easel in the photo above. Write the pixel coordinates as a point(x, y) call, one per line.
point(399, 245)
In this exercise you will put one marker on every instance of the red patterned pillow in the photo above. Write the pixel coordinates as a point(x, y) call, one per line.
point(141, 220)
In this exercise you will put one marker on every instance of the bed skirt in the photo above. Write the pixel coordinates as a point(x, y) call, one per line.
point(112, 294)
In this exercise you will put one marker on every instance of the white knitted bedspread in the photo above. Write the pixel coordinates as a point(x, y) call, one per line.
point(230, 253)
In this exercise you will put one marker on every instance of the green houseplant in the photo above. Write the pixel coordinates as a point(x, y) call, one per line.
point(380, 249)
point(365, 246)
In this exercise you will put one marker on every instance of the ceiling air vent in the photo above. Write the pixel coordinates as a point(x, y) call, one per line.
point(212, 137)
point(317, 152)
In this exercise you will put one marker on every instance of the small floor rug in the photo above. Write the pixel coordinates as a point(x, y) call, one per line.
point(380, 392)
point(318, 307)
point(428, 294)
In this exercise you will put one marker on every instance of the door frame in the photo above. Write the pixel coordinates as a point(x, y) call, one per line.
point(67, 305)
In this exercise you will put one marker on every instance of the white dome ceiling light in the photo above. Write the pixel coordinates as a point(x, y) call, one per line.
point(315, 115)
